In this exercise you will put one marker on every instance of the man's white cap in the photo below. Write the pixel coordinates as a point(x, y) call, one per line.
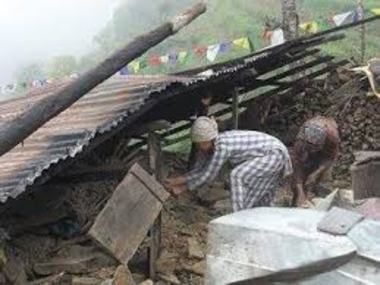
point(204, 129)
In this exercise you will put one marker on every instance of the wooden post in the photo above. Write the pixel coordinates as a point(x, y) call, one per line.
point(290, 19)
point(155, 163)
point(17, 130)
point(235, 110)
point(360, 17)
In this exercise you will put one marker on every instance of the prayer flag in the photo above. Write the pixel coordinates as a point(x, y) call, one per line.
point(200, 51)
point(43, 82)
point(36, 83)
point(124, 71)
point(173, 58)
point(277, 38)
point(155, 60)
point(344, 18)
point(143, 63)
point(212, 52)
point(164, 58)
point(225, 47)
point(134, 66)
point(243, 42)
point(182, 57)
point(310, 27)
point(267, 35)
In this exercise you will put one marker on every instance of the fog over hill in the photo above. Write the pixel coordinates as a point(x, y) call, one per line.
point(39, 29)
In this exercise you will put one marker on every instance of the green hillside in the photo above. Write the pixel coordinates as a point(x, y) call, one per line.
point(228, 20)
point(225, 20)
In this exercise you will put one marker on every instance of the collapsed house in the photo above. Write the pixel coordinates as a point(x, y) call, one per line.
point(60, 180)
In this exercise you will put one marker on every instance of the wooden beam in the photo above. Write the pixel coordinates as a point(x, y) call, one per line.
point(155, 233)
point(16, 130)
point(235, 109)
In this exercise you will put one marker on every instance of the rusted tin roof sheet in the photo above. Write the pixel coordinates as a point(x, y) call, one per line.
point(67, 134)
point(99, 112)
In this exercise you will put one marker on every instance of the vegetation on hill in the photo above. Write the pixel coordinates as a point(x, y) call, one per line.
point(225, 20)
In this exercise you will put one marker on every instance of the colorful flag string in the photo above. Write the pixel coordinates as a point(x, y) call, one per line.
point(211, 52)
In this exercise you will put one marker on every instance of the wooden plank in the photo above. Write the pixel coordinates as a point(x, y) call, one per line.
point(339, 221)
point(150, 182)
point(366, 180)
point(126, 219)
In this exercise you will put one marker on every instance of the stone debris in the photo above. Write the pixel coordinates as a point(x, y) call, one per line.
point(223, 205)
point(370, 208)
point(209, 196)
point(138, 278)
point(169, 278)
point(85, 281)
point(325, 204)
point(123, 276)
point(198, 268)
point(147, 282)
point(195, 250)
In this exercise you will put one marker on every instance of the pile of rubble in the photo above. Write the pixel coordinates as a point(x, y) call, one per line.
point(70, 251)
point(345, 98)
point(72, 246)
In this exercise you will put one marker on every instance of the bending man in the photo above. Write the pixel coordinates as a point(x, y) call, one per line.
point(260, 162)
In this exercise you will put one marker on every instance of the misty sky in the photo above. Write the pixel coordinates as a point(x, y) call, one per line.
point(32, 30)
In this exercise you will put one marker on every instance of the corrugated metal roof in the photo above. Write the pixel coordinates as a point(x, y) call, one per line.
point(67, 134)
point(97, 113)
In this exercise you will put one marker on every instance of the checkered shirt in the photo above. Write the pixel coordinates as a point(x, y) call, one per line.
point(237, 147)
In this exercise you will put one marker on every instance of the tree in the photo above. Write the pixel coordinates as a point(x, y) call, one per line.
point(126, 23)
point(290, 20)
point(29, 72)
point(61, 66)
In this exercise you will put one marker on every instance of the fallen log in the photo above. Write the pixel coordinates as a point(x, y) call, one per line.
point(15, 131)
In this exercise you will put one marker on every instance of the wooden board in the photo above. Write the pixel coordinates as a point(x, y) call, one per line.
point(339, 221)
point(127, 217)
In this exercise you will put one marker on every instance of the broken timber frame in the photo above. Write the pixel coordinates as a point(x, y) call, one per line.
point(17, 130)
point(155, 233)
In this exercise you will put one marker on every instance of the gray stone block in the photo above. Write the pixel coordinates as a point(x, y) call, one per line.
point(257, 242)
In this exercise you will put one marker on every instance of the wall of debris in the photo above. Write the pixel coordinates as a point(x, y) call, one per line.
point(345, 98)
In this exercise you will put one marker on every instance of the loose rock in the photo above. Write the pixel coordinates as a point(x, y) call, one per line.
point(147, 282)
point(123, 276)
point(212, 195)
point(85, 281)
point(198, 268)
point(169, 278)
point(195, 250)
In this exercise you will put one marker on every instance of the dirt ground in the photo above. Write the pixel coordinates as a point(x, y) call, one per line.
point(184, 240)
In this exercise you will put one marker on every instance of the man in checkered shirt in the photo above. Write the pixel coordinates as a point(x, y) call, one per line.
point(260, 162)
